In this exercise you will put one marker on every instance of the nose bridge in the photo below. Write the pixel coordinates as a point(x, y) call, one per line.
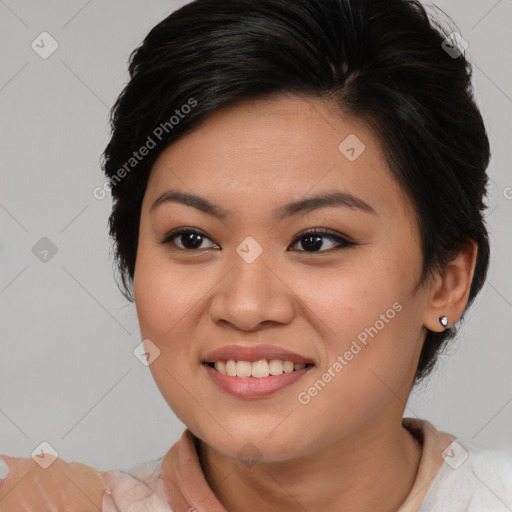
point(251, 293)
point(251, 269)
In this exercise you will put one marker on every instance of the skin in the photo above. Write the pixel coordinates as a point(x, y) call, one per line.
point(346, 448)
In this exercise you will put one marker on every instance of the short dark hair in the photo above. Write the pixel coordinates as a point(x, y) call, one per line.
point(382, 61)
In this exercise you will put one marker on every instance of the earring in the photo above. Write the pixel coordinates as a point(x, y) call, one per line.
point(443, 320)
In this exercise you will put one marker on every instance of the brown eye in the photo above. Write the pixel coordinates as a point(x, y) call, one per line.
point(188, 239)
point(314, 240)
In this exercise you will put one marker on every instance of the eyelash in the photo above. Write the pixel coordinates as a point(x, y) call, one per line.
point(324, 232)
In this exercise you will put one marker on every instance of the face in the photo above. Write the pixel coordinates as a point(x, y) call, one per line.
point(237, 275)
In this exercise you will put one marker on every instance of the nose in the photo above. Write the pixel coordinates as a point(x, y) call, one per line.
point(252, 296)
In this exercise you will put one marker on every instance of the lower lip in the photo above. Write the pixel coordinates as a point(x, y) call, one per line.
point(252, 387)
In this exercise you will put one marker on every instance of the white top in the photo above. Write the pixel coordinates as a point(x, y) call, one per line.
point(471, 479)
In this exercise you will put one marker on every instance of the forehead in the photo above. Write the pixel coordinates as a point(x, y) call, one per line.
point(262, 153)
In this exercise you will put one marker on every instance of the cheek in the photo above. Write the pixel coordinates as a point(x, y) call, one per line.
point(356, 303)
point(160, 306)
point(371, 330)
point(369, 365)
point(168, 301)
point(162, 295)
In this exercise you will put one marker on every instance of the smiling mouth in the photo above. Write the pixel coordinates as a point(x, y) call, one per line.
point(256, 369)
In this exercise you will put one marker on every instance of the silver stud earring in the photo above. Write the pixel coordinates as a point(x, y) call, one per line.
point(443, 320)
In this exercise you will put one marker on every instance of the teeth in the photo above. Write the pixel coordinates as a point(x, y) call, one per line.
point(287, 367)
point(276, 367)
point(231, 368)
point(257, 369)
point(243, 368)
point(220, 366)
point(260, 369)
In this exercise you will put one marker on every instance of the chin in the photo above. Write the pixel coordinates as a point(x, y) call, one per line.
point(251, 446)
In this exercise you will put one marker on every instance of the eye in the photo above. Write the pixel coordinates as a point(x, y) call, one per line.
point(191, 239)
point(314, 240)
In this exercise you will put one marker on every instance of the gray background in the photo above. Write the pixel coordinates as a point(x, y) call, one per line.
point(68, 375)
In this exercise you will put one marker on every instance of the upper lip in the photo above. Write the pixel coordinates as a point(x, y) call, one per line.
point(254, 353)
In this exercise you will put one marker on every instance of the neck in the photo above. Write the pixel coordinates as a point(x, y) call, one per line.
point(372, 469)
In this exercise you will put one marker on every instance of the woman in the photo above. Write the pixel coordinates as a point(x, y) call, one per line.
point(298, 216)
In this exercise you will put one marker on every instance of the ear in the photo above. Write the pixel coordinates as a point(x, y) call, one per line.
point(449, 290)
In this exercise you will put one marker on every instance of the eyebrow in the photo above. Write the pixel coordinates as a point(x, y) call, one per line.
point(330, 199)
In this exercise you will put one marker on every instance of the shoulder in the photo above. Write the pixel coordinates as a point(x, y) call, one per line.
point(475, 478)
point(51, 483)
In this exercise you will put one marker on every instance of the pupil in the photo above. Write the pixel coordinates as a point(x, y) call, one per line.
point(187, 240)
point(314, 240)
